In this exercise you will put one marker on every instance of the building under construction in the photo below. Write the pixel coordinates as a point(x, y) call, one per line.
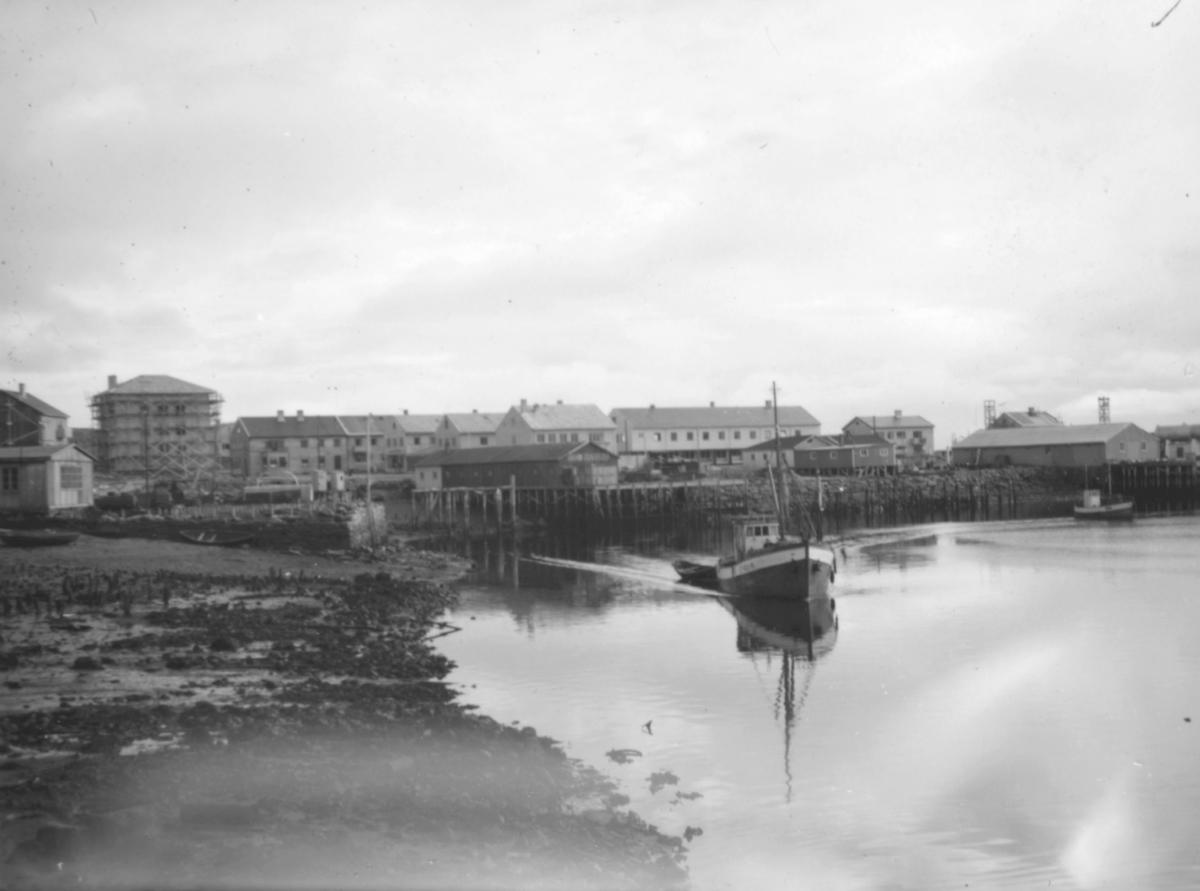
point(158, 428)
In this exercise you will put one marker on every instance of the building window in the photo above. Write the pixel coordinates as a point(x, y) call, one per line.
point(704, 435)
point(1144, 446)
point(8, 479)
point(883, 452)
point(320, 460)
point(862, 453)
point(720, 434)
point(416, 440)
point(900, 434)
point(658, 437)
point(812, 456)
point(337, 443)
point(754, 434)
point(337, 462)
point(483, 440)
point(1121, 446)
point(374, 440)
point(832, 455)
point(737, 434)
point(541, 437)
point(265, 462)
point(674, 437)
point(574, 437)
point(599, 437)
point(283, 460)
point(889, 435)
point(304, 464)
point(304, 443)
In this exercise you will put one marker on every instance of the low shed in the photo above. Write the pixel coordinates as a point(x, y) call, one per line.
point(41, 479)
point(1068, 445)
point(557, 465)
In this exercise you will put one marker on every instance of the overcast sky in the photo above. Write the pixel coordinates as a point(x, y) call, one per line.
point(443, 206)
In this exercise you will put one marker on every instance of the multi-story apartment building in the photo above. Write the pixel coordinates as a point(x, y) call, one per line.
point(407, 437)
point(717, 433)
point(912, 435)
point(467, 430)
point(157, 426)
point(536, 424)
point(298, 444)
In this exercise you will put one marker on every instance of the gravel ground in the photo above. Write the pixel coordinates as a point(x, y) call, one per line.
point(185, 717)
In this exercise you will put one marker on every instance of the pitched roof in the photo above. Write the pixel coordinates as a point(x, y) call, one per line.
point(1065, 434)
point(356, 425)
point(157, 384)
point(785, 443)
point(43, 408)
point(821, 441)
point(565, 417)
point(1177, 431)
point(309, 425)
point(890, 422)
point(1026, 419)
point(716, 416)
point(36, 454)
point(475, 421)
point(507, 454)
point(415, 423)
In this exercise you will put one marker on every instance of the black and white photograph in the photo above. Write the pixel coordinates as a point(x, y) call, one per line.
point(599, 445)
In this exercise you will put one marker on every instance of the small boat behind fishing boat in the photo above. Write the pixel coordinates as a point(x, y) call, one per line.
point(36, 538)
point(1096, 507)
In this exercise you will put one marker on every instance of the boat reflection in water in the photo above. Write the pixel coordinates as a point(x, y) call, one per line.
point(802, 632)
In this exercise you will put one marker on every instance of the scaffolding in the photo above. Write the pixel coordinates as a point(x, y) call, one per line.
point(160, 437)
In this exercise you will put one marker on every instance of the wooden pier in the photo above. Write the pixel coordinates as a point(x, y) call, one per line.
point(630, 501)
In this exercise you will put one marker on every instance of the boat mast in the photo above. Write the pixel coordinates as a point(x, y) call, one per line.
point(787, 501)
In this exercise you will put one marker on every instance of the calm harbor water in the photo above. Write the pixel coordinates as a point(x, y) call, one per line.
point(1003, 705)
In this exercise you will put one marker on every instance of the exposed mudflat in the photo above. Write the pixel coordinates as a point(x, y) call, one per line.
point(176, 716)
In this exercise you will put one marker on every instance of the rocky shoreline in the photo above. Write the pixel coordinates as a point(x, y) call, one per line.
point(219, 718)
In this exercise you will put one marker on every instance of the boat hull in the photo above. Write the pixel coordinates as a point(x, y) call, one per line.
point(800, 572)
point(35, 539)
point(216, 539)
point(1121, 511)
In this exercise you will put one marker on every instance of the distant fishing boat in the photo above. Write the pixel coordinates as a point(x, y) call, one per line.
point(1096, 507)
point(36, 538)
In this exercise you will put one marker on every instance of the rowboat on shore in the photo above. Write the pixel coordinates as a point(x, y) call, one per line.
point(217, 539)
point(36, 538)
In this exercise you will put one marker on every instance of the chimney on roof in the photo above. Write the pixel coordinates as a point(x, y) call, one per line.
point(651, 406)
point(524, 406)
point(299, 414)
point(899, 414)
point(768, 405)
point(406, 411)
point(279, 416)
point(1032, 410)
point(21, 390)
point(560, 402)
point(112, 381)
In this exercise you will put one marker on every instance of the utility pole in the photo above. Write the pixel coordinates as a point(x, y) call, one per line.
point(146, 448)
